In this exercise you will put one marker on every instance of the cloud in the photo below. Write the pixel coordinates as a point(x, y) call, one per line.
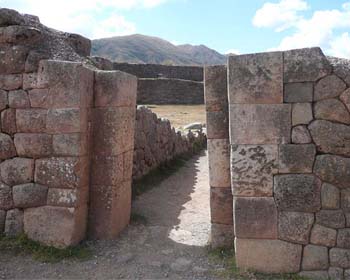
point(233, 51)
point(340, 46)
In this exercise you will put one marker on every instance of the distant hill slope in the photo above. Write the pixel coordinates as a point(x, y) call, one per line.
point(145, 49)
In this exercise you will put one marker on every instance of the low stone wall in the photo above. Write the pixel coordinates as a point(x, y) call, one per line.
point(156, 142)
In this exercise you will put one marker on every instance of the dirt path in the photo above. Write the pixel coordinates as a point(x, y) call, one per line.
point(169, 245)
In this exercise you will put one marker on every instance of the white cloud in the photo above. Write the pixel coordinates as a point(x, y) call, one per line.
point(233, 51)
point(340, 47)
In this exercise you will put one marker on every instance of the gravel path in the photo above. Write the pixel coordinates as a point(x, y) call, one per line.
point(171, 244)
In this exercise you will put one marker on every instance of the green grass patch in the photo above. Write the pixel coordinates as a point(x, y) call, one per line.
point(23, 245)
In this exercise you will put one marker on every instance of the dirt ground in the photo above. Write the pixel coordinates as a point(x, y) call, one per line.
point(169, 244)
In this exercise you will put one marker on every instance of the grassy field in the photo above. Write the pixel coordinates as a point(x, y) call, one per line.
point(180, 115)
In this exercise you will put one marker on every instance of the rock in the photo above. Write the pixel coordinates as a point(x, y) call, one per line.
point(14, 222)
point(33, 60)
point(64, 120)
point(341, 68)
point(315, 275)
point(296, 158)
point(343, 238)
point(11, 82)
point(17, 171)
point(194, 126)
point(80, 44)
point(299, 193)
point(347, 274)
point(31, 120)
point(221, 205)
point(3, 100)
point(10, 17)
point(2, 220)
point(345, 98)
point(7, 148)
point(6, 201)
point(301, 113)
point(30, 82)
point(219, 162)
point(339, 257)
point(29, 195)
point(330, 197)
point(315, 258)
point(217, 125)
point(336, 273)
point(301, 135)
point(17, 34)
point(62, 197)
point(298, 92)
point(221, 235)
point(329, 87)
point(333, 169)
point(323, 236)
point(331, 137)
point(8, 121)
point(268, 256)
point(215, 86)
point(295, 226)
point(332, 110)
point(12, 59)
point(345, 200)
point(255, 217)
point(331, 218)
point(72, 144)
point(181, 264)
point(33, 145)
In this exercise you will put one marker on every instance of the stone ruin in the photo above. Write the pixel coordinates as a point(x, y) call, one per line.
point(278, 129)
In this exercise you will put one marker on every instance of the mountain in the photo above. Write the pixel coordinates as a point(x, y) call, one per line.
point(145, 49)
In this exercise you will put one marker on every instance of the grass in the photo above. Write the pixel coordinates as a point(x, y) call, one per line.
point(226, 257)
point(23, 245)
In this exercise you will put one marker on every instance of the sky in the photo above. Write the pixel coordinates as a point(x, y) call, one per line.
point(228, 26)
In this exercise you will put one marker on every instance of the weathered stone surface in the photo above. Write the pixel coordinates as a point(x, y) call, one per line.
point(11, 82)
point(7, 148)
point(341, 67)
point(39, 98)
point(17, 171)
point(268, 256)
point(62, 197)
point(10, 17)
point(18, 99)
point(298, 92)
point(305, 65)
point(107, 171)
point(330, 197)
point(221, 235)
point(6, 201)
point(8, 121)
point(331, 137)
point(301, 113)
point(30, 81)
point(323, 236)
point(346, 274)
point(260, 123)
point(332, 110)
point(219, 163)
point(221, 206)
point(12, 59)
point(329, 87)
point(301, 135)
point(72, 144)
point(333, 169)
point(3, 218)
point(296, 158)
point(331, 218)
point(300, 193)
point(31, 120)
point(255, 217)
point(256, 78)
point(315, 275)
point(295, 226)
point(33, 145)
point(339, 257)
point(69, 120)
point(252, 169)
point(343, 238)
point(17, 34)
point(3, 100)
point(40, 224)
point(347, 217)
point(29, 195)
point(345, 98)
point(345, 200)
point(215, 88)
point(14, 222)
point(217, 125)
point(336, 273)
point(315, 258)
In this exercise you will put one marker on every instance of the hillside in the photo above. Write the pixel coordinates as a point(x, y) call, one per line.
point(145, 49)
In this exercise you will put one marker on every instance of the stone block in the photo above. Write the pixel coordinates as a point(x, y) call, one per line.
point(71, 120)
point(2, 220)
point(268, 256)
point(66, 197)
point(301, 113)
point(331, 218)
point(329, 87)
point(218, 125)
point(12, 59)
point(115, 89)
point(297, 192)
point(39, 98)
point(11, 82)
point(30, 81)
point(347, 274)
point(336, 273)
point(256, 78)
point(31, 120)
point(215, 88)
point(3, 100)
point(345, 98)
point(6, 201)
point(219, 163)
point(332, 110)
point(128, 165)
point(296, 158)
point(323, 236)
point(29, 195)
point(345, 200)
point(7, 147)
point(8, 121)
point(18, 99)
point(252, 169)
point(347, 217)
point(17, 171)
point(10, 17)
point(333, 169)
point(295, 226)
point(14, 222)
point(72, 144)
point(339, 257)
point(341, 68)
point(33, 145)
point(221, 206)
point(255, 217)
point(107, 171)
point(298, 92)
point(343, 238)
point(301, 135)
point(41, 224)
point(315, 275)
point(330, 197)
point(33, 60)
point(315, 258)
point(260, 123)
point(305, 65)
point(221, 236)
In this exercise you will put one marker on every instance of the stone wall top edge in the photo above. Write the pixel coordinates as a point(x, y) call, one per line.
point(169, 79)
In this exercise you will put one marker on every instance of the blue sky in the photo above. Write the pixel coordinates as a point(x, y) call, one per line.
point(225, 25)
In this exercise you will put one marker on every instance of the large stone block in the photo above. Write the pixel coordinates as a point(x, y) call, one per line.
point(315, 275)
point(252, 169)
point(14, 222)
point(301, 135)
point(332, 110)
point(55, 226)
point(323, 236)
point(33, 145)
point(298, 92)
point(12, 59)
point(330, 197)
point(11, 82)
point(331, 218)
point(215, 88)
point(221, 206)
point(7, 147)
point(315, 258)
point(339, 257)
point(305, 65)
point(341, 68)
point(333, 169)
point(72, 144)
point(17, 171)
point(299, 193)
point(218, 125)
point(2, 220)
point(255, 217)
point(66, 197)
point(107, 171)
point(345, 98)
point(18, 99)
point(70, 120)
point(8, 121)
point(336, 273)
point(345, 200)
point(29, 195)
point(31, 120)
point(260, 123)
point(296, 158)
point(329, 87)
point(39, 98)
point(3, 100)
point(295, 226)
point(6, 201)
point(29, 81)
point(221, 236)
point(301, 113)
point(268, 256)
point(10, 17)
point(219, 163)
point(256, 78)
point(343, 238)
